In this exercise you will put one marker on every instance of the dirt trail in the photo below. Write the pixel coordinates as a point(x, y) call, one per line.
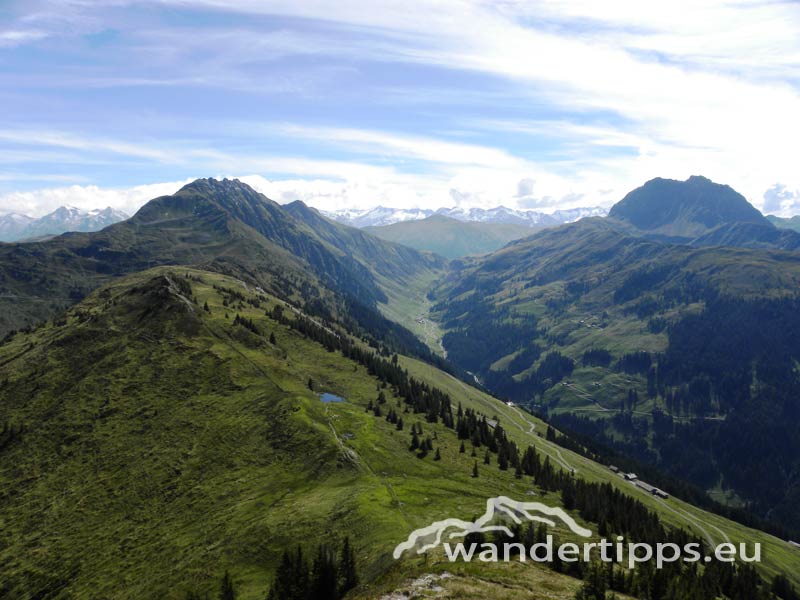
point(691, 519)
point(542, 444)
point(354, 457)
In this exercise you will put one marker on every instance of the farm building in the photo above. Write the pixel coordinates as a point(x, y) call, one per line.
point(651, 489)
point(646, 487)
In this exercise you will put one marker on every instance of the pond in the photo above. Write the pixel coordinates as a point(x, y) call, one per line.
point(326, 397)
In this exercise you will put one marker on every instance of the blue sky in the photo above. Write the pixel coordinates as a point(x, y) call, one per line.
point(540, 104)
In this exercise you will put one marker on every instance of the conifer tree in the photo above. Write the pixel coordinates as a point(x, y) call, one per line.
point(272, 339)
point(291, 579)
point(594, 585)
point(475, 469)
point(568, 495)
point(502, 461)
point(324, 576)
point(348, 577)
point(462, 449)
point(438, 455)
point(226, 589)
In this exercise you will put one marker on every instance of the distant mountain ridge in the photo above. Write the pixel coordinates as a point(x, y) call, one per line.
point(450, 237)
point(785, 223)
point(381, 215)
point(688, 208)
point(12, 224)
point(16, 227)
point(686, 277)
point(223, 225)
point(698, 212)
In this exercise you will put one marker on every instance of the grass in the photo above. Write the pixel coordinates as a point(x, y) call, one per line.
point(163, 445)
point(155, 459)
point(409, 306)
point(778, 556)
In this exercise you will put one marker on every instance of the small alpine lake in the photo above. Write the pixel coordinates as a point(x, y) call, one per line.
point(328, 397)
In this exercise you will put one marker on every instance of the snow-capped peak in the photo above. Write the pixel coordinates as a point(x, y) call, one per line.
point(15, 218)
point(381, 215)
point(15, 227)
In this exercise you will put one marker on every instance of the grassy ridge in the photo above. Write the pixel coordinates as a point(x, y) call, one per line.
point(163, 445)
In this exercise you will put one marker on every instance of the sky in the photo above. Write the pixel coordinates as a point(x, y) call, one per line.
point(352, 104)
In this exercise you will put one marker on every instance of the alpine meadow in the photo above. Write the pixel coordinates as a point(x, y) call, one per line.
point(392, 301)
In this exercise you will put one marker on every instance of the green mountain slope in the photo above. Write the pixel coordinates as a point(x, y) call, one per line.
point(165, 431)
point(783, 223)
point(450, 237)
point(218, 225)
point(404, 274)
point(169, 427)
point(650, 348)
point(750, 235)
point(698, 212)
point(684, 209)
point(169, 443)
point(388, 259)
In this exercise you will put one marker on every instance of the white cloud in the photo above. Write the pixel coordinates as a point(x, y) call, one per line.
point(702, 87)
point(433, 166)
point(401, 191)
point(684, 88)
point(71, 141)
point(525, 187)
point(782, 201)
point(11, 38)
point(427, 149)
point(36, 203)
point(467, 174)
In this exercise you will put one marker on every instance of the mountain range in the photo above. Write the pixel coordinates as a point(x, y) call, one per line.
point(785, 223)
point(698, 212)
point(457, 232)
point(224, 225)
point(449, 237)
point(380, 215)
point(16, 227)
point(646, 330)
point(164, 429)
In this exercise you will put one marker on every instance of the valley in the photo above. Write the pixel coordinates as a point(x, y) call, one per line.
point(428, 300)
point(169, 427)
